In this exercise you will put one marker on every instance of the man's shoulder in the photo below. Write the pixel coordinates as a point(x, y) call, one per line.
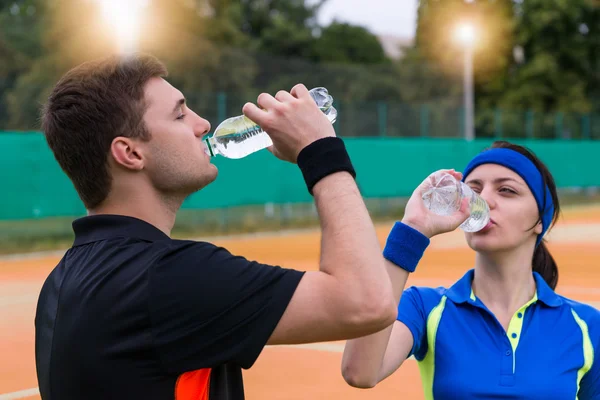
point(180, 250)
point(177, 259)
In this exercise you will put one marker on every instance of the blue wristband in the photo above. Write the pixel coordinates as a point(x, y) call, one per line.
point(405, 246)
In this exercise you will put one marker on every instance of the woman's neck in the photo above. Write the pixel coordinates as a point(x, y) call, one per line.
point(504, 281)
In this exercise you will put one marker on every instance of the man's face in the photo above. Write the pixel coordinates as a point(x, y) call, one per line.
point(176, 160)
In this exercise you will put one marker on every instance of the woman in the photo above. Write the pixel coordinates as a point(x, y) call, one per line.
point(500, 332)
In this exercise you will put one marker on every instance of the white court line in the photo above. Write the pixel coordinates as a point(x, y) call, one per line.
point(8, 301)
point(329, 347)
point(32, 256)
point(236, 236)
point(561, 232)
point(20, 394)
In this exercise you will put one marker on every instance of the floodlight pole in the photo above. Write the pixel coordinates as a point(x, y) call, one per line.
point(469, 93)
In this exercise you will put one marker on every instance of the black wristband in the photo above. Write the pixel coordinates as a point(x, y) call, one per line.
point(324, 157)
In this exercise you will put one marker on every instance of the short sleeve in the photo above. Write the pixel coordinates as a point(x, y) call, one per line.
point(589, 388)
point(412, 313)
point(208, 307)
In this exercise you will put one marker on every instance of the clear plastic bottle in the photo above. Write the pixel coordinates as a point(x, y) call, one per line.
point(239, 136)
point(444, 194)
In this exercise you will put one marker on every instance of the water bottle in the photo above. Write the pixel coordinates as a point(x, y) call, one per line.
point(443, 196)
point(239, 136)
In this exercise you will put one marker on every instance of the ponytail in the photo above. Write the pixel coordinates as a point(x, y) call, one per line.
point(544, 264)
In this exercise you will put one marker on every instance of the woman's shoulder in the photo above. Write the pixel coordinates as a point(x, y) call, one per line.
point(586, 312)
point(588, 318)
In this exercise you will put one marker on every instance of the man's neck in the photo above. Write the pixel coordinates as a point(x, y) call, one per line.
point(154, 208)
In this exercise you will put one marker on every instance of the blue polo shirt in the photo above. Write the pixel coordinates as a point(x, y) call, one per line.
point(551, 350)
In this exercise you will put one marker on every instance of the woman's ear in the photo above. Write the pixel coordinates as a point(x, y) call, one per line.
point(539, 228)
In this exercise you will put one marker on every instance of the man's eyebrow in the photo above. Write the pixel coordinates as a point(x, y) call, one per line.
point(180, 102)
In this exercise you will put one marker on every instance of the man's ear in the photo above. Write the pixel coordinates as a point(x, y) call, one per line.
point(127, 153)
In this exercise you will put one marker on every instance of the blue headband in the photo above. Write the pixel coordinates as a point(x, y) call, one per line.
point(528, 171)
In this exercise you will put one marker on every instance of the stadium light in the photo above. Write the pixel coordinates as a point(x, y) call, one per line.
point(466, 34)
point(124, 18)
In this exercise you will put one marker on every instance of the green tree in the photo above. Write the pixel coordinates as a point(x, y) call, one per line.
point(494, 25)
point(538, 55)
point(281, 27)
point(201, 45)
point(560, 69)
point(52, 37)
point(199, 49)
point(349, 44)
point(20, 32)
point(423, 81)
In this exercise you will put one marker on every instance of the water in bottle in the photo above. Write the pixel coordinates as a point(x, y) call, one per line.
point(444, 194)
point(239, 136)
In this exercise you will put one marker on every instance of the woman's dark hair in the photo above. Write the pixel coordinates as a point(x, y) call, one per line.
point(543, 263)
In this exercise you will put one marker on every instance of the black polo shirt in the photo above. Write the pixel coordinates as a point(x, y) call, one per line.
point(130, 313)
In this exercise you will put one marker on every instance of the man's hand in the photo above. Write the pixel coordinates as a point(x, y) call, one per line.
point(292, 120)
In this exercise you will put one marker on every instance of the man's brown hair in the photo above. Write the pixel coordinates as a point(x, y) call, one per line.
point(90, 106)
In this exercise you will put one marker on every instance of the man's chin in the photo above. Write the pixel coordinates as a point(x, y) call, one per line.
point(215, 173)
point(207, 179)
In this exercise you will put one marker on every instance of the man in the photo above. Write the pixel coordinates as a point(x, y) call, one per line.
point(131, 313)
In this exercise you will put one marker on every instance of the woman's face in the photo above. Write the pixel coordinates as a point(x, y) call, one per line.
point(513, 210)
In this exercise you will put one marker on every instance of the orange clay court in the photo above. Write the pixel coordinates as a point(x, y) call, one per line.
point(306, 371)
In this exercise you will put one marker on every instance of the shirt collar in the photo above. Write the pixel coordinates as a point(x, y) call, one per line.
point(94, 228)
point(461, 291)
point(545, 292)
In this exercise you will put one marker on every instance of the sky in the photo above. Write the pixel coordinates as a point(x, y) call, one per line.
point(388, 17)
